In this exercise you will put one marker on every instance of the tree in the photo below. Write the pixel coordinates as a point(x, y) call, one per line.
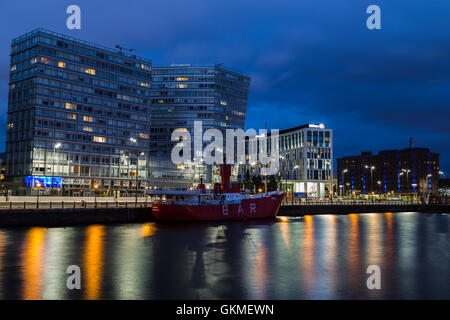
point(257, 182)
point(272, 184)
point(248, 183)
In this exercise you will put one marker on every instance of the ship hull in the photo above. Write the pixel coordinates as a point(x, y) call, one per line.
point(252, 208)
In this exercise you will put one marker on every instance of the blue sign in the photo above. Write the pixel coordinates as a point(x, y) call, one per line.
point(300, 195)
point(46, 182)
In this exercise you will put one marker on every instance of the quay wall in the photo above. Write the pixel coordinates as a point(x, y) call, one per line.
point(79, 216)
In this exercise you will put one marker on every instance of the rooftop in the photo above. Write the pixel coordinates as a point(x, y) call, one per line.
point(61, 36)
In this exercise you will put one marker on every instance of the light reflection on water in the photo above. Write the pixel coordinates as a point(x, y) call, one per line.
point(312, 257)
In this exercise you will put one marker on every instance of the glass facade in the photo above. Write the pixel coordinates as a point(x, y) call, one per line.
point(93, 118)
point(77, 111)
point(306, 160)
point(182, 94)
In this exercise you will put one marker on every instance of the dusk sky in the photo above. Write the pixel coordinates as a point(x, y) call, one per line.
point(309, 60)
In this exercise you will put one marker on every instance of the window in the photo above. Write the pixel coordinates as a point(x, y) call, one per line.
point(222, 102)
point(143, 135)
point(181, 85)
point(61, 64)
point(87, 118)
point(33, 60)
point(89, 129)
point(182, 78)
point(71, 106)
point(44, 60)
point(99, 139)
point(90, 71)
point(10, 125)
point(144, 84)
point(13, 67)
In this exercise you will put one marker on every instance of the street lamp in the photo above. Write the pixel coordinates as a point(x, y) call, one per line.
point(134, 140)
point(95, 194)
point(38, 185)
point(343, 191)
point(55, 146)
point(371, 176)
point(379, 186)
point(407, 171)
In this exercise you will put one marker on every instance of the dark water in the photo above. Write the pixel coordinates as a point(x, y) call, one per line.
point(315, 257)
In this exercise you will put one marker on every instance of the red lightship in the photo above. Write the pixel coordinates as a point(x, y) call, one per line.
point(225, 202)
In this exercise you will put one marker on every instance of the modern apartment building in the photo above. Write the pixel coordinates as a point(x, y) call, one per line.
point(78, 117)
point(409, 170)
point(182, 94)
point(306, 160)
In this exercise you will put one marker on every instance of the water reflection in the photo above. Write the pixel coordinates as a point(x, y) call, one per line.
point(93, 261)
point(32, 260)
point(2, 246)
point(354, 276)
point(312, 257)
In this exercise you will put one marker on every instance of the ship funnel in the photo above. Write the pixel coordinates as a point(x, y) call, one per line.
point(225, 174)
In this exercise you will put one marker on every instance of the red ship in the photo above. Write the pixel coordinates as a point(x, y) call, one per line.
point(225, 202)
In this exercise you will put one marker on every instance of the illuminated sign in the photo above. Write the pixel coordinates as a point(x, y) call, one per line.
point(46, 182)
point(320, 126)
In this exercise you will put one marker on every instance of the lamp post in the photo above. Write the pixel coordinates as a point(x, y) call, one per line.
point(134, 140)
point(95, 194)
point(407, 171)
point(343, 184)
point(38, 185)
point(55, 146)
point(379, 186)
point(371, 176)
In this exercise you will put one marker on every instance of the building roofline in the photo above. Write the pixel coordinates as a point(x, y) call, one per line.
point(116, 52)
point(381, 152)
point(194, 66)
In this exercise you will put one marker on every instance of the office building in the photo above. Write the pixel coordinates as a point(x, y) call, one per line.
point(85, 119)
point(78, 117)
point(306, 160)
point(182, 94)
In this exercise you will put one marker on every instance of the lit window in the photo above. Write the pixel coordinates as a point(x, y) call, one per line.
point(12, 87)
point(74, 116)
point(44, 60)
point(61, 64)
point(99, 139)
point(87, 118)
point(71, 106)
point(13, 67)
point(222, 102)
point(89, 129)
point(90, 71)
point(143, 135)
point(182, 78)
point(144, 84)
point(226, 117)
point(181, 85)
point(33, 60)
point(10, 125)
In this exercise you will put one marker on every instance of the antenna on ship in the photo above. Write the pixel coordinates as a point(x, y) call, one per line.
point(265, 180)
